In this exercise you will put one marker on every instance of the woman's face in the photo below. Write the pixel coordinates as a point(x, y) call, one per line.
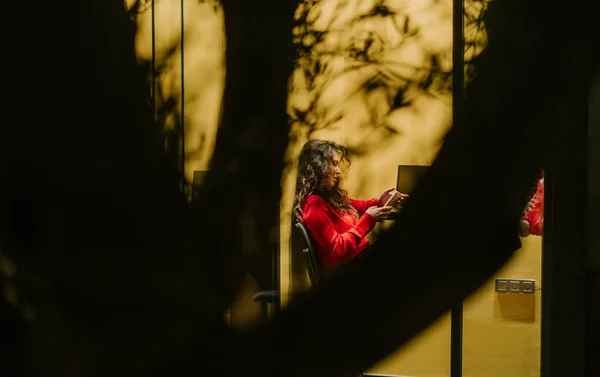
point(335, 173)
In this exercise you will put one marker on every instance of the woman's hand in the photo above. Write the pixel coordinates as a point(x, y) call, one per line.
point(380, 213)
point(385, 196)
point(403, 197)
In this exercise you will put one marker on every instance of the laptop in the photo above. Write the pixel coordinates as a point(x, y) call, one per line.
point(409, 176)
point(407, 179)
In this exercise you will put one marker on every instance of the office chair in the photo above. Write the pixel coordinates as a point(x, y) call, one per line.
point(303, 241)
point(270, 298)
point(265, 297)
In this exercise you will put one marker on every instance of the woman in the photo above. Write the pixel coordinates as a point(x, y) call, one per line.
point(338, 224)
point(532, 220)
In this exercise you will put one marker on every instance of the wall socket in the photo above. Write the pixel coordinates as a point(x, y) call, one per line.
point(515, 286)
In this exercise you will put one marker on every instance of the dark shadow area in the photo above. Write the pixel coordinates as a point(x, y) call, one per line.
point(117, 275)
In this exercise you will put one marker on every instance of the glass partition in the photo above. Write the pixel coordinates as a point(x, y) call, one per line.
point(376, 77)
point(501, 322)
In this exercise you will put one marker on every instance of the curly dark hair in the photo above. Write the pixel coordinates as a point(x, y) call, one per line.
point(314, 168)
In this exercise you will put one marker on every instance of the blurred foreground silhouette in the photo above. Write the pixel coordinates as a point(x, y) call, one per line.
point(107, 270)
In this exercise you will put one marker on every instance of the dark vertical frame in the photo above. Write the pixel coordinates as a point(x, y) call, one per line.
point(564, 251)
point(182, 122)
point(593, 224)
point(153, 62)
point(458, 84)
point(275, 262)
point(594, 172)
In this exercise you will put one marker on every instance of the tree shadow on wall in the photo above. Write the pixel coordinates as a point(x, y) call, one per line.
point(369, 48)
point(166, 106)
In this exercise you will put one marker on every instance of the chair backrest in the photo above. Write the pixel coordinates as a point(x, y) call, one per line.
point(316, 272)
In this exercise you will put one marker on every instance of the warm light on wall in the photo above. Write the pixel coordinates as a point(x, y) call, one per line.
point(202, 72)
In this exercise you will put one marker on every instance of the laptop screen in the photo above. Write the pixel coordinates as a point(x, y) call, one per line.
point(409, 176)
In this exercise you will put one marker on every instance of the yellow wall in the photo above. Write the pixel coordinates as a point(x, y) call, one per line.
point(502, 331)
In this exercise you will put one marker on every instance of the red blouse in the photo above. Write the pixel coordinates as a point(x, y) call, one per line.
point(338, 237)
point(535, 213)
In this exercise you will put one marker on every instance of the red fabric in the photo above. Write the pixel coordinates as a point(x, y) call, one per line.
point(535, 213)
point(338, 237)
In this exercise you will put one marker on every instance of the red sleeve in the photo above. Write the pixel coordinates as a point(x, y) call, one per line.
point(537, 227)
point(535, 213)
point(317, 220)
point(362, 205)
